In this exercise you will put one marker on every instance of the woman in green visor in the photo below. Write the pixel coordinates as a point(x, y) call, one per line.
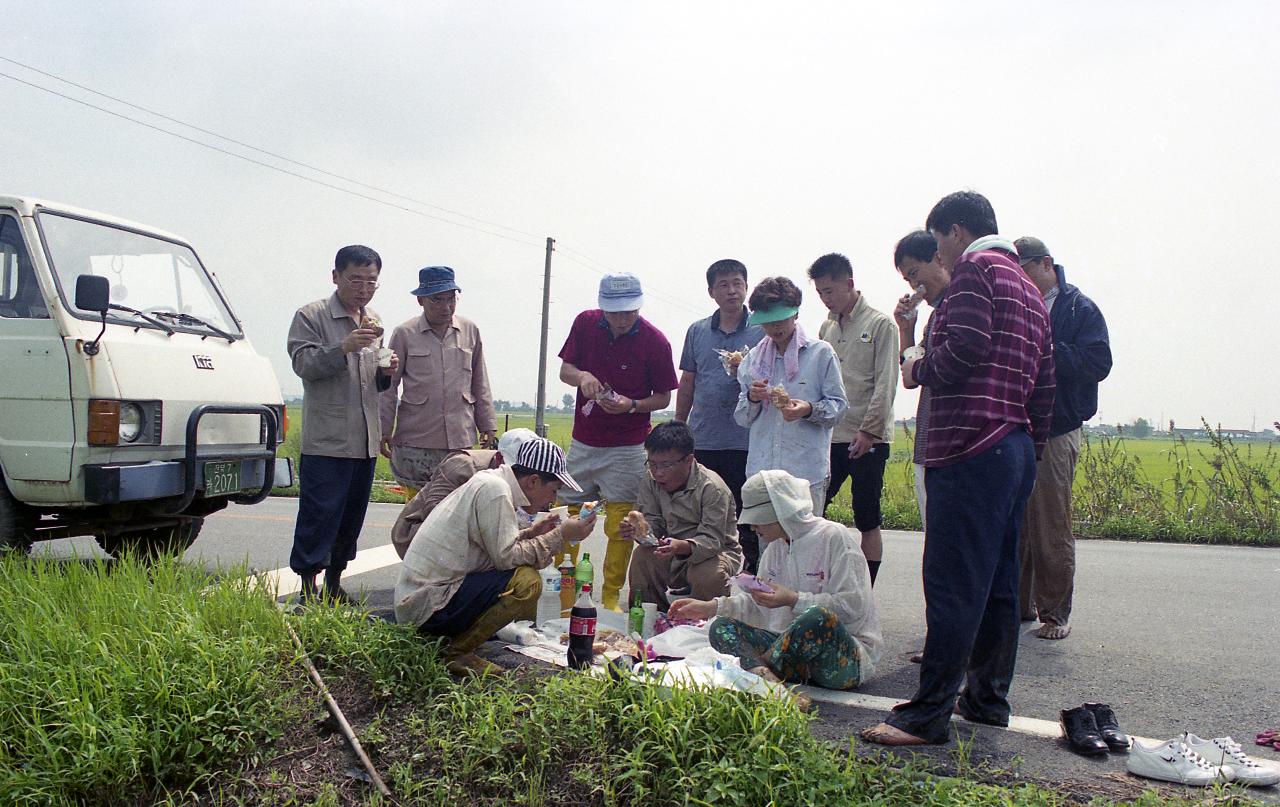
point(792, 395)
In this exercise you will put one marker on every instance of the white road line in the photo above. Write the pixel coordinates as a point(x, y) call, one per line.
point(285, 582)
point(1032, 726)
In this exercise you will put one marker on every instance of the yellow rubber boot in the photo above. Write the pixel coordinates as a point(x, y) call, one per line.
point(519, 601)
point(617, 554)
point(409, 492)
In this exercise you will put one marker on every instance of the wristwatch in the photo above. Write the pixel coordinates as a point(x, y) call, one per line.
point(913, 352)
point(632, 410)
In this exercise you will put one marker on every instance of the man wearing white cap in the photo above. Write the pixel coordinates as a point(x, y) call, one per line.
point(621, 365)
point(451, 474)
point(471, 569)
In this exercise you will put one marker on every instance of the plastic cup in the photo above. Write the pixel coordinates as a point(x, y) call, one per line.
point(384, 356)
point(650, 616)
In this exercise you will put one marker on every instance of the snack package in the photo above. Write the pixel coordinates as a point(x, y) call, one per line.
point(607, 395)
point(591, 509)
point(640, 527)
point(749, 582)
point(371, 323)
point(731, 360)
point(778, 396)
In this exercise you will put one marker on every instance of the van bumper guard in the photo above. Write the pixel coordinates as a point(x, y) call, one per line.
point(162, 479)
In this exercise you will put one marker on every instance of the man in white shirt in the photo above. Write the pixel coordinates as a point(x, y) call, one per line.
point(470, 570)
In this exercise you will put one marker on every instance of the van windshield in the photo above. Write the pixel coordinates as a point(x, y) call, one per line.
point(162, 279)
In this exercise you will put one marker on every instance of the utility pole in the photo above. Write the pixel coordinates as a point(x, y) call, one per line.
point(541, 427)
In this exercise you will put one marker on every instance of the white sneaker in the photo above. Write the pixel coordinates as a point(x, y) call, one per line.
point(1173, 761)
point(1225, 752)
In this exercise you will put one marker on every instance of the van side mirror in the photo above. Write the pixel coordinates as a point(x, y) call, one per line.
point(93, 293)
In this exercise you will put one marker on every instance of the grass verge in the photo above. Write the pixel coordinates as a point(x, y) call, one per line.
point(126, 684)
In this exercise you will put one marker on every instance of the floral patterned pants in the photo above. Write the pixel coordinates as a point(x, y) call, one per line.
point(815, 648)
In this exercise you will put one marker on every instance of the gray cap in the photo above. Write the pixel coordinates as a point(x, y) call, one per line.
point(1031, 247)
point(757, 507)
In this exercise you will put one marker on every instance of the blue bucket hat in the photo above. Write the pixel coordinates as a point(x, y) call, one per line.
point(434, 280)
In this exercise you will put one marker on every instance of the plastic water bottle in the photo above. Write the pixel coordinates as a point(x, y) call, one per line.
point(567, 592)
point(584, 574)
point(549, 600)
point(582, 630)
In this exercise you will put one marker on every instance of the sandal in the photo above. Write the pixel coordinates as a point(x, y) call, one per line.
point(1268, 737)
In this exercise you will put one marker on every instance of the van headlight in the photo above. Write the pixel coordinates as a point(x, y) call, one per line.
point(132, 422)
point(113, 423)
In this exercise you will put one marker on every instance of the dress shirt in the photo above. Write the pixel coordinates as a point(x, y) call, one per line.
point(472, 530)
point(715, 392)
point(702, 512)
point(340, 390)
point(866, 343)
point(445, 397)
point(802, 447)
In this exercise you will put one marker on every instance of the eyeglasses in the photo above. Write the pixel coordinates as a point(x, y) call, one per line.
point(362, 284)
point(664, 466)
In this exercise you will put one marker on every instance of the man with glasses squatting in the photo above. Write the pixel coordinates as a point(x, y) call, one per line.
point(622, 367)
point(686, 524)
point(332, 347)
point(439, 397)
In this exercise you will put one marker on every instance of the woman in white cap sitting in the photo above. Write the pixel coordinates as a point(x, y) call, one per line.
point(817, 623)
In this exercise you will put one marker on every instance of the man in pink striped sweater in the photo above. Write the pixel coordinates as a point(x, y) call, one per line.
point(989, 371)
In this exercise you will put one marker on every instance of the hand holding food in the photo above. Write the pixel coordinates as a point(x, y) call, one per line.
point(634, 527)
point(795, 410)
point(779, 397)
point(758, 391)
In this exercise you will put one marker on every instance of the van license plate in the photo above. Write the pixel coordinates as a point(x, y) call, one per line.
point(221, 478)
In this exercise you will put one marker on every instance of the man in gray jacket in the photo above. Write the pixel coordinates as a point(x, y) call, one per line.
point(332, 343)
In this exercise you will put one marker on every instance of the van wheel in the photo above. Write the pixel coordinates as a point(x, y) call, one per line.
point(14, 537)
point(153, 543)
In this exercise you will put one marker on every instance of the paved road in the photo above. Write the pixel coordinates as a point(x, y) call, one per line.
point(1174, 637)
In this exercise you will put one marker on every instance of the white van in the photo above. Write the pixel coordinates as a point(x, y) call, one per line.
point(131, 404)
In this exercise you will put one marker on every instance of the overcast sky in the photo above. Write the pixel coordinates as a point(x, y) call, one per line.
point(1138, 140)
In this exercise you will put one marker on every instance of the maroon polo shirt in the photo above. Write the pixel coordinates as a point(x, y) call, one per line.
point(637, 365)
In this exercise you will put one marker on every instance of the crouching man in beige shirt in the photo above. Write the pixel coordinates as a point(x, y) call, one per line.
point(470, 569)
point(691, 513)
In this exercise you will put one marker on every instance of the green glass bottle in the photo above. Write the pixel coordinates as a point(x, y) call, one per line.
point(635, 617)
point(585, 573)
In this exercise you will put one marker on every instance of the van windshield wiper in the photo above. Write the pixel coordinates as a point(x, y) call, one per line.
point(143, 315)
point(188, 319)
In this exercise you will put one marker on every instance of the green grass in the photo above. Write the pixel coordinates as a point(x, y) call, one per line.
point(127, 684)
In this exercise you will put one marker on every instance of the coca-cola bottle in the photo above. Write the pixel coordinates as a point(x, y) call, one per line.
point(582, 630)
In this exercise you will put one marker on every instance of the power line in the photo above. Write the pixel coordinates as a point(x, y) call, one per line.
point(573, 255)
point(267, 165)
point(261, 150)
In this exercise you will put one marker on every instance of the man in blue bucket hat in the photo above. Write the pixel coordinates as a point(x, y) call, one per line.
point(439, 397)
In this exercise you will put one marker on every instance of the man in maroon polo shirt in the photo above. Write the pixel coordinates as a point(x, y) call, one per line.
point(622, 367)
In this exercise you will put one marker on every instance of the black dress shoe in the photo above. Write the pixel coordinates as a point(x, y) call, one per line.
point(1108, 727)
point(1081, 730)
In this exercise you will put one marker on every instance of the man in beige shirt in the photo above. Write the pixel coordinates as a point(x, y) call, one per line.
point(866, 343)
point(445, 397)
point(452, 473)
point(470, 569)
point(692, 513)
point(332, 345)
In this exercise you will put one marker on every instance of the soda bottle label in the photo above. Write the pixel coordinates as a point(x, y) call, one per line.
point(582, 626)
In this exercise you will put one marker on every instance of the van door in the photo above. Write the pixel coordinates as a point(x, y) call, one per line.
point(37, 430)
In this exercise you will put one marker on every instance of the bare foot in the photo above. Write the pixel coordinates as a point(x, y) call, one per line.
point(1051, 631)
point(766, 673)
point(884, 734)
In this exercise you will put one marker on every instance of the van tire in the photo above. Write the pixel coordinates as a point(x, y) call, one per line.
point(153, 543)
point(14, 538)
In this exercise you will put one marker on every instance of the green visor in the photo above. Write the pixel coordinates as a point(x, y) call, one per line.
point(775, 314)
